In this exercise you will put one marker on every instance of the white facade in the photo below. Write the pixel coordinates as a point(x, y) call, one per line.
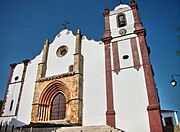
point(129, 86)
point(56, 65)
point(94, 80)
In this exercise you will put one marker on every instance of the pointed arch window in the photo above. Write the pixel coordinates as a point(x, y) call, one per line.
point(11, 105)
point(121, 20)
point(58, 107)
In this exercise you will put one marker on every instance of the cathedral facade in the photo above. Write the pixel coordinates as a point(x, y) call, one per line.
point(85, 82)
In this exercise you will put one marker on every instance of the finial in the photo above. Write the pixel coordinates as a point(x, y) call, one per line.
point(133, 2)
point(78, 31)
point(13, 65)
point(106, 11)
point(65, 24)
point(47, 41)
point(78, 41)
point(25, 61)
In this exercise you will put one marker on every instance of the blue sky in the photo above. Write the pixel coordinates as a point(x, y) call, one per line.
point(25, 25)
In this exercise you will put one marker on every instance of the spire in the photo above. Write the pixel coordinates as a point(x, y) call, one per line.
point(78, 31)
point(107, 33)
point(137, 22)
point(47, 41)
point(78, 58)
point(42, 66)
point(78, 41)
point(106, 11)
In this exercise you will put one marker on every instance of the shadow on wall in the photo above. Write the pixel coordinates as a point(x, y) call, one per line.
point(10, 126)
point(14, 122)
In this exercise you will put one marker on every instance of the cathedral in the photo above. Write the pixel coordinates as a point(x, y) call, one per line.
point(84, 82)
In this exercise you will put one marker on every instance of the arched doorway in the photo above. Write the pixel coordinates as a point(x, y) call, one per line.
point(58, 107)
point(52, 103)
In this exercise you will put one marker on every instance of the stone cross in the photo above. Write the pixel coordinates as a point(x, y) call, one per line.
point(65, 24)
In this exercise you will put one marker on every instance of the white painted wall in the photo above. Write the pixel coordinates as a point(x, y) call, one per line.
point(124, 48)
point(131, 100)
point(24, 114)
point(17, 72)
point(13, 91)
point(94, 100)
point(56, 65)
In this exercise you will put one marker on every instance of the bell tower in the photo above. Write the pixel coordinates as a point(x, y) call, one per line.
point(130, 88)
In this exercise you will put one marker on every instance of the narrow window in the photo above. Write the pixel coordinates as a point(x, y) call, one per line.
point(121, 20)
point(11, 105)
point(168, 121)
point(71, 68)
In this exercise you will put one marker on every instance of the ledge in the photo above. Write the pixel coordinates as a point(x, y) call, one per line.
point(56, 76)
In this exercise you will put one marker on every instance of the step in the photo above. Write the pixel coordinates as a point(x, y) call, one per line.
point(98, 128)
